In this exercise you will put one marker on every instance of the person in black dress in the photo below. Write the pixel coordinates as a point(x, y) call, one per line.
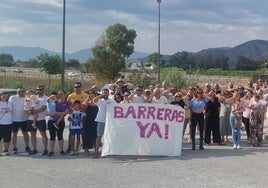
point(89, 134)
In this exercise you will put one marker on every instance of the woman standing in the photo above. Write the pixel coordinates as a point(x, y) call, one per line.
point(246, 113)
point(237, 110)
point(212, 121)
point(197, 106)
point(62, 108)
point(225, 111)
point(5, 122)
point(89, 134)
point(258, 109)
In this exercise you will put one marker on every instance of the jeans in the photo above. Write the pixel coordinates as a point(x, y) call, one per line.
point(236, 132)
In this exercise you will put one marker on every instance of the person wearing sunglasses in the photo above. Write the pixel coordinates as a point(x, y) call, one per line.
point(41, 126)
point(80, 95)
point(137, 96)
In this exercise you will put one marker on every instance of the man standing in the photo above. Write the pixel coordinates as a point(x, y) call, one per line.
point(40, 108)
point(19, 119)
point(101, 101)
point(78, 94)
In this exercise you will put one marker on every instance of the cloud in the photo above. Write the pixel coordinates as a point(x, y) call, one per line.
point(188, 25)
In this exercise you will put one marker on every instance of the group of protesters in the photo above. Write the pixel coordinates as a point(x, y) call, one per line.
point(214, 112)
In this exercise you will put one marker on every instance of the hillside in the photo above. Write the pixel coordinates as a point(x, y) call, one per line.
point(253, 49)
point(26, 53)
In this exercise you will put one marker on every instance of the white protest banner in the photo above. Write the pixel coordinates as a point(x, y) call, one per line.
point(143, 129)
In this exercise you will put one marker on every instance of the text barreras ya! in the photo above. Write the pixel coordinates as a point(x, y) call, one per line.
point(149, 112)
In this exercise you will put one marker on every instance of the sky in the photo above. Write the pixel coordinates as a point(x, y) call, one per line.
point(186, 25)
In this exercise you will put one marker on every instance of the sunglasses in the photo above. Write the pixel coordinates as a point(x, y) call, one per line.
point(39, 89)
point(77, 86)
point(20, 91)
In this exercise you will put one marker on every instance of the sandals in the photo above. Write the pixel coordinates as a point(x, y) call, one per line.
point(96, 155)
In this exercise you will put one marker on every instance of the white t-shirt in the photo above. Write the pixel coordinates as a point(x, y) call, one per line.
point(247, 111)
point(102, 104)
point(5, 113)
point(162, 100)
point(17, 105)
point(138, 99)
point(41, 102)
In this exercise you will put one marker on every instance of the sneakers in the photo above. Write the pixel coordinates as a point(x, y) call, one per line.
point(33, 152)
point(15, 150)
point(238, 146)
point(234, 147)
point(50, 154)
point(27, 149)
point(62, 153)
point(56, 125)
point(45, 152)
point(74, 152)
point(4, 153)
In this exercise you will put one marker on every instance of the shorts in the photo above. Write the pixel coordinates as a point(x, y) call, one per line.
point(75, 132)
point(41, 126)
point(19, 125)
point(100, 128)
point(5, 132)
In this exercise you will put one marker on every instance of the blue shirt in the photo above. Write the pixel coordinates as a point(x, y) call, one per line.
point(197, 105)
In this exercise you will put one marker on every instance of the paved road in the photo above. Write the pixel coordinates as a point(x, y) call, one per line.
point(216, 166)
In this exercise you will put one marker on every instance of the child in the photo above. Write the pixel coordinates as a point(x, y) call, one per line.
point(29, 103)
point(76, 119)
point(51, 107)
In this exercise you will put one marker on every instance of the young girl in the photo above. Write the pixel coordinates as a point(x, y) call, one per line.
point(29, 104)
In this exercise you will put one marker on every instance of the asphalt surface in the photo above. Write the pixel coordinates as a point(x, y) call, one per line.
point(216, 166)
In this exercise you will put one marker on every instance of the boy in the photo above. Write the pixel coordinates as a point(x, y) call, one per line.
point(76, 119)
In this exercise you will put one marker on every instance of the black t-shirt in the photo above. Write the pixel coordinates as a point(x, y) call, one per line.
point(180, 103)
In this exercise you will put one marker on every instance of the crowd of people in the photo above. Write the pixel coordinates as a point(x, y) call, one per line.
point(214, 112)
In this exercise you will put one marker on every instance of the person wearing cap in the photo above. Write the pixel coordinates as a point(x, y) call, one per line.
point(147, 95)
point(5, 122)
point(120, 82)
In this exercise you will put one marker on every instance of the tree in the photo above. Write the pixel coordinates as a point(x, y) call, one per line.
point(6, 60)
point(73, 63)
point(51, 64)
point(110, 52)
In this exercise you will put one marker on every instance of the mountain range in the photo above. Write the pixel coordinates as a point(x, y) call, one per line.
point(25, 53)
point(253, 49)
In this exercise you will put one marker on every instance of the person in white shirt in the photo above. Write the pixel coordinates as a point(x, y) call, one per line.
point(101, 101)
point(39, 108)
point(19, 119)
point(158, 97)
point(137, 96)
point(5, 122)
